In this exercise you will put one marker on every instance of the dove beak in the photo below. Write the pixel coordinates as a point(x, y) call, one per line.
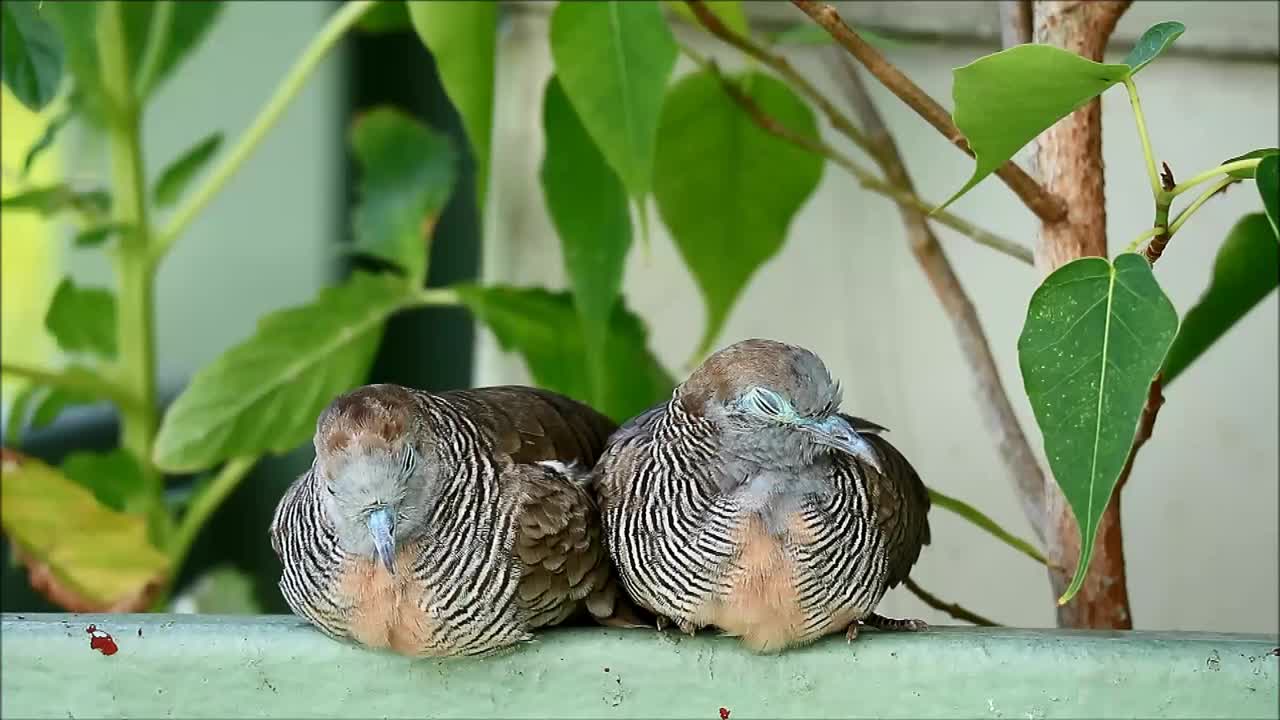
point(836, 432)
point(382, 527)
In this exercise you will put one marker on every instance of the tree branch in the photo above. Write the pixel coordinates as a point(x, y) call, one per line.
point(1045, 204)
point(1014, 450)
point(953, 609)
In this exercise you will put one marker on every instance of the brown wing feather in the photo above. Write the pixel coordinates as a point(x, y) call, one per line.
point(531, 425)
point(901, 503)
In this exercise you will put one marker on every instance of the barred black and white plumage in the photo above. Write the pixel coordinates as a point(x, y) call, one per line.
point(446, 524)
point(749, 503)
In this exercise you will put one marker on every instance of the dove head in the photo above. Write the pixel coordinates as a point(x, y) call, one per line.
point(373, 467)
point(774, 404)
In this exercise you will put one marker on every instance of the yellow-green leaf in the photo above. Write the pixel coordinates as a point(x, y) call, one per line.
point(82, 555)
point(1154, 41)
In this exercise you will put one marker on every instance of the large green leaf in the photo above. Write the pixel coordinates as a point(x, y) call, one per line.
point(1003, 101)
point(1268, 181)
point(385, 17)
point(115, 478)
point(175, 177)
point(81, 554)
point(613, 60)
point(1246, 270)
point(540, 325)
point(178, 25)
point(462, 37)
point(264, 394)
point(407, 174)
point(1249, 173)
point(726, 189)
point(83, 319)
point(32, 53)
point(589, 208)
point(1154, 41)
point(1094, 338)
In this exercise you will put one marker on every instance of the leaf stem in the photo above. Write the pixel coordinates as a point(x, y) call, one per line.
point(434, 297)
point(1212, 173)
point(268, 116)
point(1149, 232)
point(1195, 205)
point(201, 507)
point(157, 43)
point(1141, 121)
point(134, 271)
point(975, 516)
point(83, 380)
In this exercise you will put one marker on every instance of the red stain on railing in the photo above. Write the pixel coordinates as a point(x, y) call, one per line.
point(724, 713)
point(101, 640)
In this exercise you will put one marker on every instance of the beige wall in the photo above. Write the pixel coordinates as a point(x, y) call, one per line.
point(1201, 509)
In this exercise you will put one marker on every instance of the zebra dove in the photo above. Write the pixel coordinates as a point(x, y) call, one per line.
point(750, 503)
point(447, 524)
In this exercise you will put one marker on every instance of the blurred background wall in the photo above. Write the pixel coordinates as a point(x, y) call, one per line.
point(1200, 511)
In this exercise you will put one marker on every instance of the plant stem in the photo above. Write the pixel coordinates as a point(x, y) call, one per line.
point(81, 380)
point(1149, 232)
point(1141, 121)
point(289, 87)
point(435, 297)
point(975, 516)
point(157, 41)
point(1212, 173)
point(1213, 190)
point(134, 271)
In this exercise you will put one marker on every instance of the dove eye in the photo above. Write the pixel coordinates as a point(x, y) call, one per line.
point(767, 403)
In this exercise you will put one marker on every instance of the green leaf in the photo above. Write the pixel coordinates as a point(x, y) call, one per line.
point(47, 200)
point(51, 404)
point(174, 178)
point(45, 141)
point(540, 325)
point(1268, 180)
point(1245, 271)
point(386, 17)
point(1248, 173)
point(87, 557)
point(407, 173)
point(115, 478)
point(462, 37)
point(99, 234)
point(1094, 338)
point(1003, 101)
point(19, 405)
point(728, 11)
point(1154, 41)
point(32, 54)
point(726, 189)
point(588, 205)
point(613, 60)
point(83, 319)
point(264, 394)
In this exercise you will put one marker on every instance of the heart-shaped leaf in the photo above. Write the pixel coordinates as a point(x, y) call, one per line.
point(264, 394)
point(1003, 101)
point(726, 189)
point(1248, 173)
point(1245, 271)
point(174, 178)
point(407, 174)
point(1267, 178)
point(83, 319)
point(613, 60)
point(1154, 41)
point(540, 325)
point(462, 37)
point(1094, 338)
point(32, 53)
point(82, 555)
point(588, 205)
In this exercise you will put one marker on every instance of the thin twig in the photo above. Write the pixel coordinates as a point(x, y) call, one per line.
point(953, 609)
point(1047, 206)
point(865, 177)
point(1146, 423)
point(1020, 462)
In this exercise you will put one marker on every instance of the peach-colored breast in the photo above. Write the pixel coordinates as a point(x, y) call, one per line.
point(386, 609)
point(762, 605)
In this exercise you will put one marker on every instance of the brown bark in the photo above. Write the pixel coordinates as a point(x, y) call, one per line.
point(1069, 161)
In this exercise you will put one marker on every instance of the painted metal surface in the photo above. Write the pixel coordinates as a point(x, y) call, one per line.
point(238, 667)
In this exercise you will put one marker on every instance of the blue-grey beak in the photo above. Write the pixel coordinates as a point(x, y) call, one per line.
point(836, 432)
point(382, 527)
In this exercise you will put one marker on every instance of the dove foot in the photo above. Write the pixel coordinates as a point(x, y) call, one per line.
point(684, 626)
point(881, 622)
